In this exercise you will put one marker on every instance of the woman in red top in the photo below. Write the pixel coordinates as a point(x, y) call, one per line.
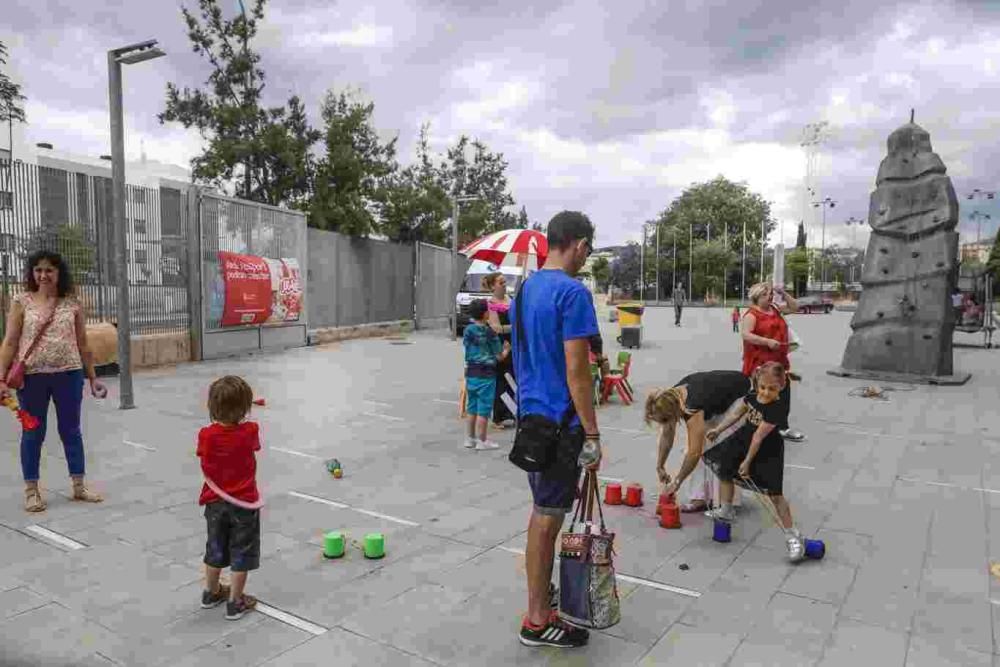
point(765, 335)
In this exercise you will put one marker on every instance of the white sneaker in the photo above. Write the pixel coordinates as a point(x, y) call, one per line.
point(482, 445)
point(723, 514)
point(470, 443)
point(793, 435)
point(796, 548)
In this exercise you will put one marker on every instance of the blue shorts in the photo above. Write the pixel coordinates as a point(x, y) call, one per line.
point(479, 396)
point(553, 495)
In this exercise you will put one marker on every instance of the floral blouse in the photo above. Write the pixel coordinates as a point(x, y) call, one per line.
point(57, 351)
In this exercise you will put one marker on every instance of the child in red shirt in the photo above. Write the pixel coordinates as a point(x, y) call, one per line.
point(736, 319)
point(228, 463)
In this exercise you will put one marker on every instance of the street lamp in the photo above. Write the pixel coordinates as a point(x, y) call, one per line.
point(978, 216)
point(854, 223)
point(825, 203)
point(126, 55)
point(455, 201)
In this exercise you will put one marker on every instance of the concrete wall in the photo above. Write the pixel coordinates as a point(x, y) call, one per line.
point(357, 281)
point(436, 283)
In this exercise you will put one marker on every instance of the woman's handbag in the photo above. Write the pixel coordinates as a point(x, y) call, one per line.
point(588, 592)
point(15, 376)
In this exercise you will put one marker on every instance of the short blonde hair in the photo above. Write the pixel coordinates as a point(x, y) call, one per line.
point(758, 290)
point(665, 406)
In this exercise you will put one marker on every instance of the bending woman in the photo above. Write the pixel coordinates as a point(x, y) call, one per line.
point(498, 307)
point(701, 400)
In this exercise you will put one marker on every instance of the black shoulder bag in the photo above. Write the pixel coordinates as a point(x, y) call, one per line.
point(541, 444)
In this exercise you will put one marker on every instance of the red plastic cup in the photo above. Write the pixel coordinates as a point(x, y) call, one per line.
point(670, 516)
point(613, 494)
point(633, 495)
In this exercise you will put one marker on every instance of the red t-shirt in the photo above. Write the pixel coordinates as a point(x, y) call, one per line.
point(227, 458)
point(769, 324)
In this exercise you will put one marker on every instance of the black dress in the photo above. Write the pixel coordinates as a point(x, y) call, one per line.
point(713, 392)
point(500, 411)
point(768, 468)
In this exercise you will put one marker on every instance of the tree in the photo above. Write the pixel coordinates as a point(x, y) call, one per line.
point(416, 206)
point(711, 261)
point(800, 238)
point(993, 263)
point(484, 178)
point(800, 280)
point(625, 269)
point(715, 206)
point(10, 94)
point(260, 154)
point(355, 178)
point(522, 220)
point(797, 268)
point(71, 242)
point(601, 271)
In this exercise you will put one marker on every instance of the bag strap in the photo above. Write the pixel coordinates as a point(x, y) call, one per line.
point(41, 332)
point(596, 498)
point(578, 511)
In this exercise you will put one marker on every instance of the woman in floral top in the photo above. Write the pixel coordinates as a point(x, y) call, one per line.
point(55, 368)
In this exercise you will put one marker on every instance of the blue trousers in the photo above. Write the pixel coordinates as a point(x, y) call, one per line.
point(66, 391)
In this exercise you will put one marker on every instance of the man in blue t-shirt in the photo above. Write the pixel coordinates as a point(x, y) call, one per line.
point(552, 366)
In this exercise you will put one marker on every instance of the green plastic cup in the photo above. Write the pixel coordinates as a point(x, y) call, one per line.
point(333, 545)
point(374, 545)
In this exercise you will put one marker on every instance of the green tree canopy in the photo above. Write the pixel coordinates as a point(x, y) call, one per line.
point(993, 263)
point(797, 268)
point(10, 94)
point(260, 154)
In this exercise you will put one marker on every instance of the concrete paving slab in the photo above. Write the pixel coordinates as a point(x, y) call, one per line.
point(854, 643)
point(791, 632)
point(345, 648)
point(692, 645)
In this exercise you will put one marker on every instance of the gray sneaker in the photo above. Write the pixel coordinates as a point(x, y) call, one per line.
point(793, 435)
point(722, 514)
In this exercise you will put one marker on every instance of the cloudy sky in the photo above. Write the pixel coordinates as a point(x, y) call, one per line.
point(612, 108)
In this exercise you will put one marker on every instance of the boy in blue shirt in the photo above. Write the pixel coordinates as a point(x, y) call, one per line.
point(482, 351)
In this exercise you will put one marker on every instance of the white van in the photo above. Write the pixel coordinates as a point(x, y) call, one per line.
point(472, 287)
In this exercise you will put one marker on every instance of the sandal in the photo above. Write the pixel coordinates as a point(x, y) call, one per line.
point(83, 494)
point(33, 500)
point(695, 506)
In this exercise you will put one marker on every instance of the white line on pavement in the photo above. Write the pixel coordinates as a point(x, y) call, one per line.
point(946, 484)
point(295, 453)
point(792, 465)
point(611, 479)
point(639, 581)
point(317, 499)
point(345, 506)
point(290, 619)
point(139, 445)
point(379, 403)
point(441, 400)
point(53, 536)
point(381, 416)
point(623, 430)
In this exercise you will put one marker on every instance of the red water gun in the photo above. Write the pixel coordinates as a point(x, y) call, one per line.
point(29, 422)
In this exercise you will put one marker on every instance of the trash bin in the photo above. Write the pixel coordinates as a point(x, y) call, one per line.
point(630, 314)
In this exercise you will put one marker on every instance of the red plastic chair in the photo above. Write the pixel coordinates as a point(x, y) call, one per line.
point(618, 381)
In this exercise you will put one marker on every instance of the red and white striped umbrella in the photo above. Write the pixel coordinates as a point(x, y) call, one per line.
point(510, 247)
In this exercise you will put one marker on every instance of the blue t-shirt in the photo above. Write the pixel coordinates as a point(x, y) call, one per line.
point(482, 346)
point(556, 308)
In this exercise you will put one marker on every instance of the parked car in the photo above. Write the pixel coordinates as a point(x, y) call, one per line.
point(815, 304)
point(472, 288)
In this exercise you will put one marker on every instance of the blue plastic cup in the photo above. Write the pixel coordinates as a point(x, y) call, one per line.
point(722, 531)
point(815, 549)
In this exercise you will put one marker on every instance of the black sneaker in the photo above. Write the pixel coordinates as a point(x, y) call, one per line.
point(553, 596)
point(554, 633)
point(236, 610)
point(209, 600)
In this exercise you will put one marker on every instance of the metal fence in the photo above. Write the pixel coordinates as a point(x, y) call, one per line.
point(247, 228)
point(44, 208)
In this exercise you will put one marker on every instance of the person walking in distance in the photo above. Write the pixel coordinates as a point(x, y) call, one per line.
point(679, 300)
point(551, 360)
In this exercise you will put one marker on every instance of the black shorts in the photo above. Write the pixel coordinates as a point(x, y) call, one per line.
point(233, 537)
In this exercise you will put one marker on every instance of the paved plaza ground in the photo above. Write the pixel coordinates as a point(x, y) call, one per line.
point(905, 493)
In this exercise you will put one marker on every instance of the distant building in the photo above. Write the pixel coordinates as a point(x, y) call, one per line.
point(976, 252)
point(47, 192)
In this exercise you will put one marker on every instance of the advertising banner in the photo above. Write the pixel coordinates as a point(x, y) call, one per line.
point(258, 290)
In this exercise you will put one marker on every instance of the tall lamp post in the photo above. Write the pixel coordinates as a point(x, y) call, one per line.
point(854, 223)
point(126, 55)
point(979, 216)
point(455, 202)
point(825, 203)
point(979, 194)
